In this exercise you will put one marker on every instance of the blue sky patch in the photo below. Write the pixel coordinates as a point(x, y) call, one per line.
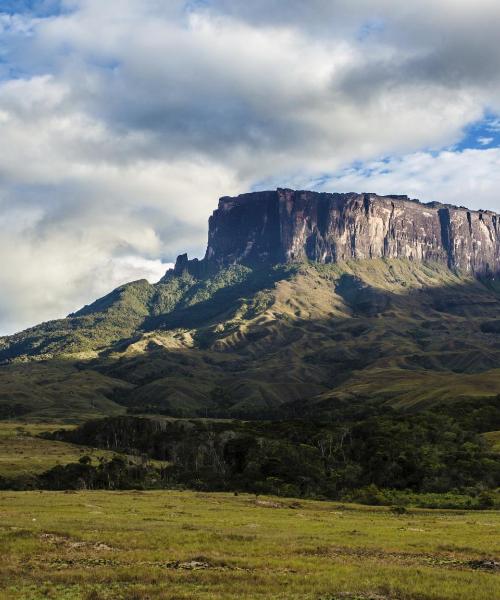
point(38, 8)
point(482, 134)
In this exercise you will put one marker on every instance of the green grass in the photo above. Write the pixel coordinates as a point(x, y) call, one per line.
point(493, 437)
point(185, 545)
point(23, 453)
point(58, 391)
point(419, 387)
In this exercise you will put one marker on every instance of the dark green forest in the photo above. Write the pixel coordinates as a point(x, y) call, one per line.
point(364, 450)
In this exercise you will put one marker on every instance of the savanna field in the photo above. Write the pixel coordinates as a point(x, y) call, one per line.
point(170, 544)
point(188, 545)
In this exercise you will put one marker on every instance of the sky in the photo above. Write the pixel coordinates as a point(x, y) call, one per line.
point(122, 122)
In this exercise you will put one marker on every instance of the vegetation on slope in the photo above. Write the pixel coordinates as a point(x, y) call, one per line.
point(25, 454)
point(279, 341)
point(57, 391)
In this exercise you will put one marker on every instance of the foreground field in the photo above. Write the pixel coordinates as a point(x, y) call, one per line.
point(185, 545)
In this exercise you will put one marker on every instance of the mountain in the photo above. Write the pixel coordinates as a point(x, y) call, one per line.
point(303, 301)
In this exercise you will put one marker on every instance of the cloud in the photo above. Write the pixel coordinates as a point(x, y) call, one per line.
point(124, 121)
point(467, 178)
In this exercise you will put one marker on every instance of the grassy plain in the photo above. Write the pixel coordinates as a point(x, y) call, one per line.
point(22, 452)
point(187, 545)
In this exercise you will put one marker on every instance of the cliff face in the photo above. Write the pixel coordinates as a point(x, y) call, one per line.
point(286, 226)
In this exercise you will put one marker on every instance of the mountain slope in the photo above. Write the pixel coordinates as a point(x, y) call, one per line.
point(265, 341)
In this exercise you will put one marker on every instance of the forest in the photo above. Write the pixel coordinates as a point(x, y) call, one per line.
point(368, 447)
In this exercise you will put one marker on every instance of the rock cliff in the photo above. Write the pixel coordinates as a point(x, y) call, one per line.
point(286, 226)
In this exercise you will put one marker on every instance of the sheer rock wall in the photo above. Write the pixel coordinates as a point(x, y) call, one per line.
point(285, 226)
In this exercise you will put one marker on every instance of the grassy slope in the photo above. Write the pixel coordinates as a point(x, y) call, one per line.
point(59, 391)
point(306, 340)
point(493, 437)
point(22, 452)
point(98, 545)
point(399, 331)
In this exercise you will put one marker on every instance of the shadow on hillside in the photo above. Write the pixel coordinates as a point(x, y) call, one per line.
point(277, 368)
point(440, 330)
point(221, 303)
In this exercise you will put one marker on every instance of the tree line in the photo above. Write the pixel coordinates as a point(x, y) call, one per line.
point(423, 452)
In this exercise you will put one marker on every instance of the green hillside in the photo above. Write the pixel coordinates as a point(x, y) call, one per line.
point(283, 340)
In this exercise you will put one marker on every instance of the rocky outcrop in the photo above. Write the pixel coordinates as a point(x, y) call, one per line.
point(286, 226)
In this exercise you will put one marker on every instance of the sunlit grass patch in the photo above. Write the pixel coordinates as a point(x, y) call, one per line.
point(93, 545)
point(24, 453)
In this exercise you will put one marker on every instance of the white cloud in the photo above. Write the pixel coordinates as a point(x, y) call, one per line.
point(493, 125)
point(131, 268)
point(468, 178)
point(123, 121)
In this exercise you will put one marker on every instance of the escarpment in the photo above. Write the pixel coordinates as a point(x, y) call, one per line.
point(282, 226)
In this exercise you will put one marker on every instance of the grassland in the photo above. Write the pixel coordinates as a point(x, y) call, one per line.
point(493, 437)
point(23, 453)
point(185, 545)
point(58, 391)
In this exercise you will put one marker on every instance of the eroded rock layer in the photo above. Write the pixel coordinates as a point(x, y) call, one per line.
point(285, 226)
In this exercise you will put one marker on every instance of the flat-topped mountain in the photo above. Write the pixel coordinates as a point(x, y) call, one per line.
point(284, 226)
point(302, 301)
